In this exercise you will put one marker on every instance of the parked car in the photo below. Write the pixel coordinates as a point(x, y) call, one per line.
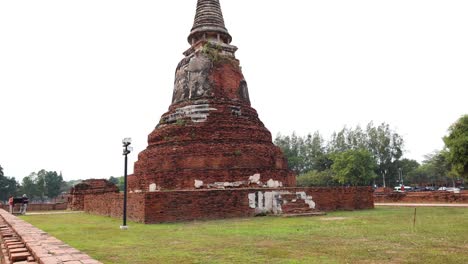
point(403, 188)
point(449, 189)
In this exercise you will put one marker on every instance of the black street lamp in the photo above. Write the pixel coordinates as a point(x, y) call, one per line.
point(127, 149)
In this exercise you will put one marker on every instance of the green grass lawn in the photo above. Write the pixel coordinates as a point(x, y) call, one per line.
point(382, 235)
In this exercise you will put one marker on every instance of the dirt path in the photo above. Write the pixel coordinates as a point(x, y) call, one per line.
point(53, 212)
point(423, 204)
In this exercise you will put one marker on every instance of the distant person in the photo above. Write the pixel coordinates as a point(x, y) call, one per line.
point(402, 188)
point(24, 204)
point(10, 203)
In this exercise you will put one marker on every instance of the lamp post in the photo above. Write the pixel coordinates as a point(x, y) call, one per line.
point(127, 149)
point(400, 170)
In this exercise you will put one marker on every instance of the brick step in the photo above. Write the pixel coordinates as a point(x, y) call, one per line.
point(289, 196)
point(13, 250)
point(296, 204)
point(304, 214)
point(14, 257)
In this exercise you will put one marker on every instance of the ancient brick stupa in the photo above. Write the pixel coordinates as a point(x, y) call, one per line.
point(210, 156)
point(211, 137)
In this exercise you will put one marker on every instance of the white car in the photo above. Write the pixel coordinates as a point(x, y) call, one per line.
point(449, 189)
point(405, 188)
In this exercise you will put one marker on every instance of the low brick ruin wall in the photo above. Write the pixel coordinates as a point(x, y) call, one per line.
point(111, 204)
point(422, 197)
point(21, 242)
point(38, 207)
point(172, 206)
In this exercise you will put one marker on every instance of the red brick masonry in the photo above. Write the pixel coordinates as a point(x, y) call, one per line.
point(40, 247)
point(38, 207)
point(422, 197)
point(170, 206)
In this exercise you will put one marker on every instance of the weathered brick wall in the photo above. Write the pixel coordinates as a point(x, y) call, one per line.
point(111, 204)
point(91, 186)
point(422, 197)
point(171, 206)
point(39, 207)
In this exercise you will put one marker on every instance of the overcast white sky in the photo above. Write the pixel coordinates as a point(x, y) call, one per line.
point(78, 76)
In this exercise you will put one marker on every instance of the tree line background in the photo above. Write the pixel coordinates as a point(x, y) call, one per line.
point(374, 156)
point(352, 156)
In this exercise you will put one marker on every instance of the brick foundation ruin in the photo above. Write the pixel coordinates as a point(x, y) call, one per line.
point(421, 197)
point(186, 205)
point(210, 156)
point(91, 186)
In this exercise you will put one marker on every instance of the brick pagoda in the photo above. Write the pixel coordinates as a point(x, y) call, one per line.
point(210, 156)
point(210, 136)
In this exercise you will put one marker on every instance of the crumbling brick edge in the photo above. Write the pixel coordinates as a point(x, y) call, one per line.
point(44, 247)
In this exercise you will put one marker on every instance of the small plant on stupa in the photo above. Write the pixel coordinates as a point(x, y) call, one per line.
point(213, 51)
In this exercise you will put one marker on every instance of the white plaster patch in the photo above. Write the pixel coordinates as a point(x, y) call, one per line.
point(308, 199)
point(252, 200)
point(152, 187)
point(198, 184)
point(261, 204)
point(274, 184)
point(269, 201)
point(197, 113)
point(254, 178)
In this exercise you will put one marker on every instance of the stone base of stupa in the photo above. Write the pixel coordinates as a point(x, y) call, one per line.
point(188, 205)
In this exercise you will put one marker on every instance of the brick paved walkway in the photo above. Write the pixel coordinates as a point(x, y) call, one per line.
point(35, 245)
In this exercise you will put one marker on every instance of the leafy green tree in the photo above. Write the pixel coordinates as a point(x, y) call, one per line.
point(434, 171)
point(317, 178)
point(121, 183)
point(354, 167)
point(387, 147)
point(457, 144)
point(8, 186)
point(118, 181)
point(67, 185)
point(28, 185)
point(314, 152)
point(42, 184)
point(53, 183)
point(293, 150)
point(114, 180)
point(407, 168)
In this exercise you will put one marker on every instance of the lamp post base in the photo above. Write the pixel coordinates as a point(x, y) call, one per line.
point(123, 227)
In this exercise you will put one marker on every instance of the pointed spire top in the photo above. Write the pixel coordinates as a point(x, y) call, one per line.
point(209, 22)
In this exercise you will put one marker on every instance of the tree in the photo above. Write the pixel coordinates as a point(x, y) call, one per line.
point(434, 171)
point(293, 150)
point(53, 184)
point(387, 147)
point(118, 181)
point(28, 185)
point(42, 184)
point(121, 184)
point(8, 186)
point(407, 168)
point(354, 167)
point(316, 178)
point(457, 144)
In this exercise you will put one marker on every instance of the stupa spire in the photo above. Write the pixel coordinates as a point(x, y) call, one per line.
point(209, 23)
